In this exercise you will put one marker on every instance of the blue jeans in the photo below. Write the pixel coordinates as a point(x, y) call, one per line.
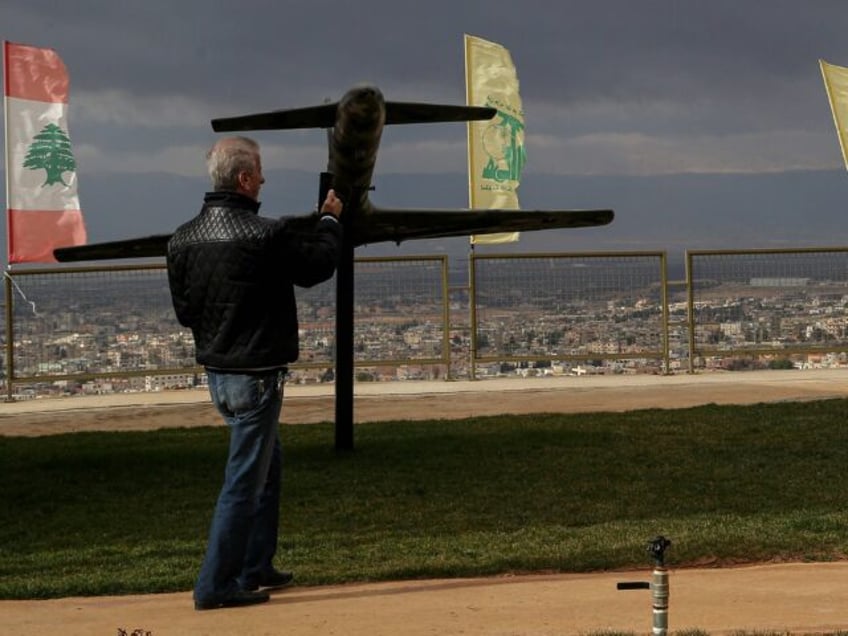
point(243, 534)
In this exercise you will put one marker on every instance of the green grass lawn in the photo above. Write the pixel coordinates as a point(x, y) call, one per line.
point(110, 513)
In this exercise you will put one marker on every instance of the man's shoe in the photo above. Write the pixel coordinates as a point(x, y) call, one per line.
point(237, 599)
point(272, 580)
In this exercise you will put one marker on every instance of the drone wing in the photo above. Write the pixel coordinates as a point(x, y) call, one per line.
point(144, 247)
point(380, 225)
point(325, 115)
point(404, 225)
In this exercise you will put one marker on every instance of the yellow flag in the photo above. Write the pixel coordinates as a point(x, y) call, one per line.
point(836, 85)
point(496, 154)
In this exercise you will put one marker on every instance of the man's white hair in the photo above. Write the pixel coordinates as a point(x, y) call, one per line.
point(229, 157)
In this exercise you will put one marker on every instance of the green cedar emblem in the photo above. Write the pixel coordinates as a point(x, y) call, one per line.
point(51, 151)
point(503, 141)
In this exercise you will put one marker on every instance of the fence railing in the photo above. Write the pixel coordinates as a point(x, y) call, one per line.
point(560, 307)
point(115, 323)
point(112, 328)
point(107, 328)
point(772, 303)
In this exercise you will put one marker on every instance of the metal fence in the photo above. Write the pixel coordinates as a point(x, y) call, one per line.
point(767, 307)
point(112, 328)
point(547, 312)
point(109, 326)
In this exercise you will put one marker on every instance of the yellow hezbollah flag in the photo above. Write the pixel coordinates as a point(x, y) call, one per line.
point(836, 85)
point(496, 153)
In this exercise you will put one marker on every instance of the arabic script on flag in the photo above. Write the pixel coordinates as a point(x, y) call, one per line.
point(496, 154)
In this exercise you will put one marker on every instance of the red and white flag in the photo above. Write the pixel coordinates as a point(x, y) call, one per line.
point(43, 209)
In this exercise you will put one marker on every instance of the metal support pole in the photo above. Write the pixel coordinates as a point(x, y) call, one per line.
point(344, 339)
point(472, 308)
point(10, 339)
point(690, 305)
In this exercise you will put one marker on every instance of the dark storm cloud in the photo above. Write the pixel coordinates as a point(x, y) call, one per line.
point(623, 49)
point(666, 71)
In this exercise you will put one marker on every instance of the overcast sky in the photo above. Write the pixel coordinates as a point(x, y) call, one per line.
point(611, 88)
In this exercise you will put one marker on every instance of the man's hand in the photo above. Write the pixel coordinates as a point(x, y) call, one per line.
point(332, 204)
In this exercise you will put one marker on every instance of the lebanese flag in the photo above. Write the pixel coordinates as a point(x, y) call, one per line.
point(43, 209)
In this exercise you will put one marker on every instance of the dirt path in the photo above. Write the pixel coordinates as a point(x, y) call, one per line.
point(791, 597)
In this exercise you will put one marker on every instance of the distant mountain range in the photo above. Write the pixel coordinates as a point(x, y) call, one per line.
point(671, 213)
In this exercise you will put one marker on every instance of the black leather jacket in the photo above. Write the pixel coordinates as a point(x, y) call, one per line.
point(231, 274)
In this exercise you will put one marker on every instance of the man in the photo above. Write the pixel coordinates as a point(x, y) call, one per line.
point(231, 274)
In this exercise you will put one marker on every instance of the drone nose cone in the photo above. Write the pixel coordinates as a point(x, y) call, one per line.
point(364, 105)
point(364, 93)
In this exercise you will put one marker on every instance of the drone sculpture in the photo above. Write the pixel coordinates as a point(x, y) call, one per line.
point(355, 125)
